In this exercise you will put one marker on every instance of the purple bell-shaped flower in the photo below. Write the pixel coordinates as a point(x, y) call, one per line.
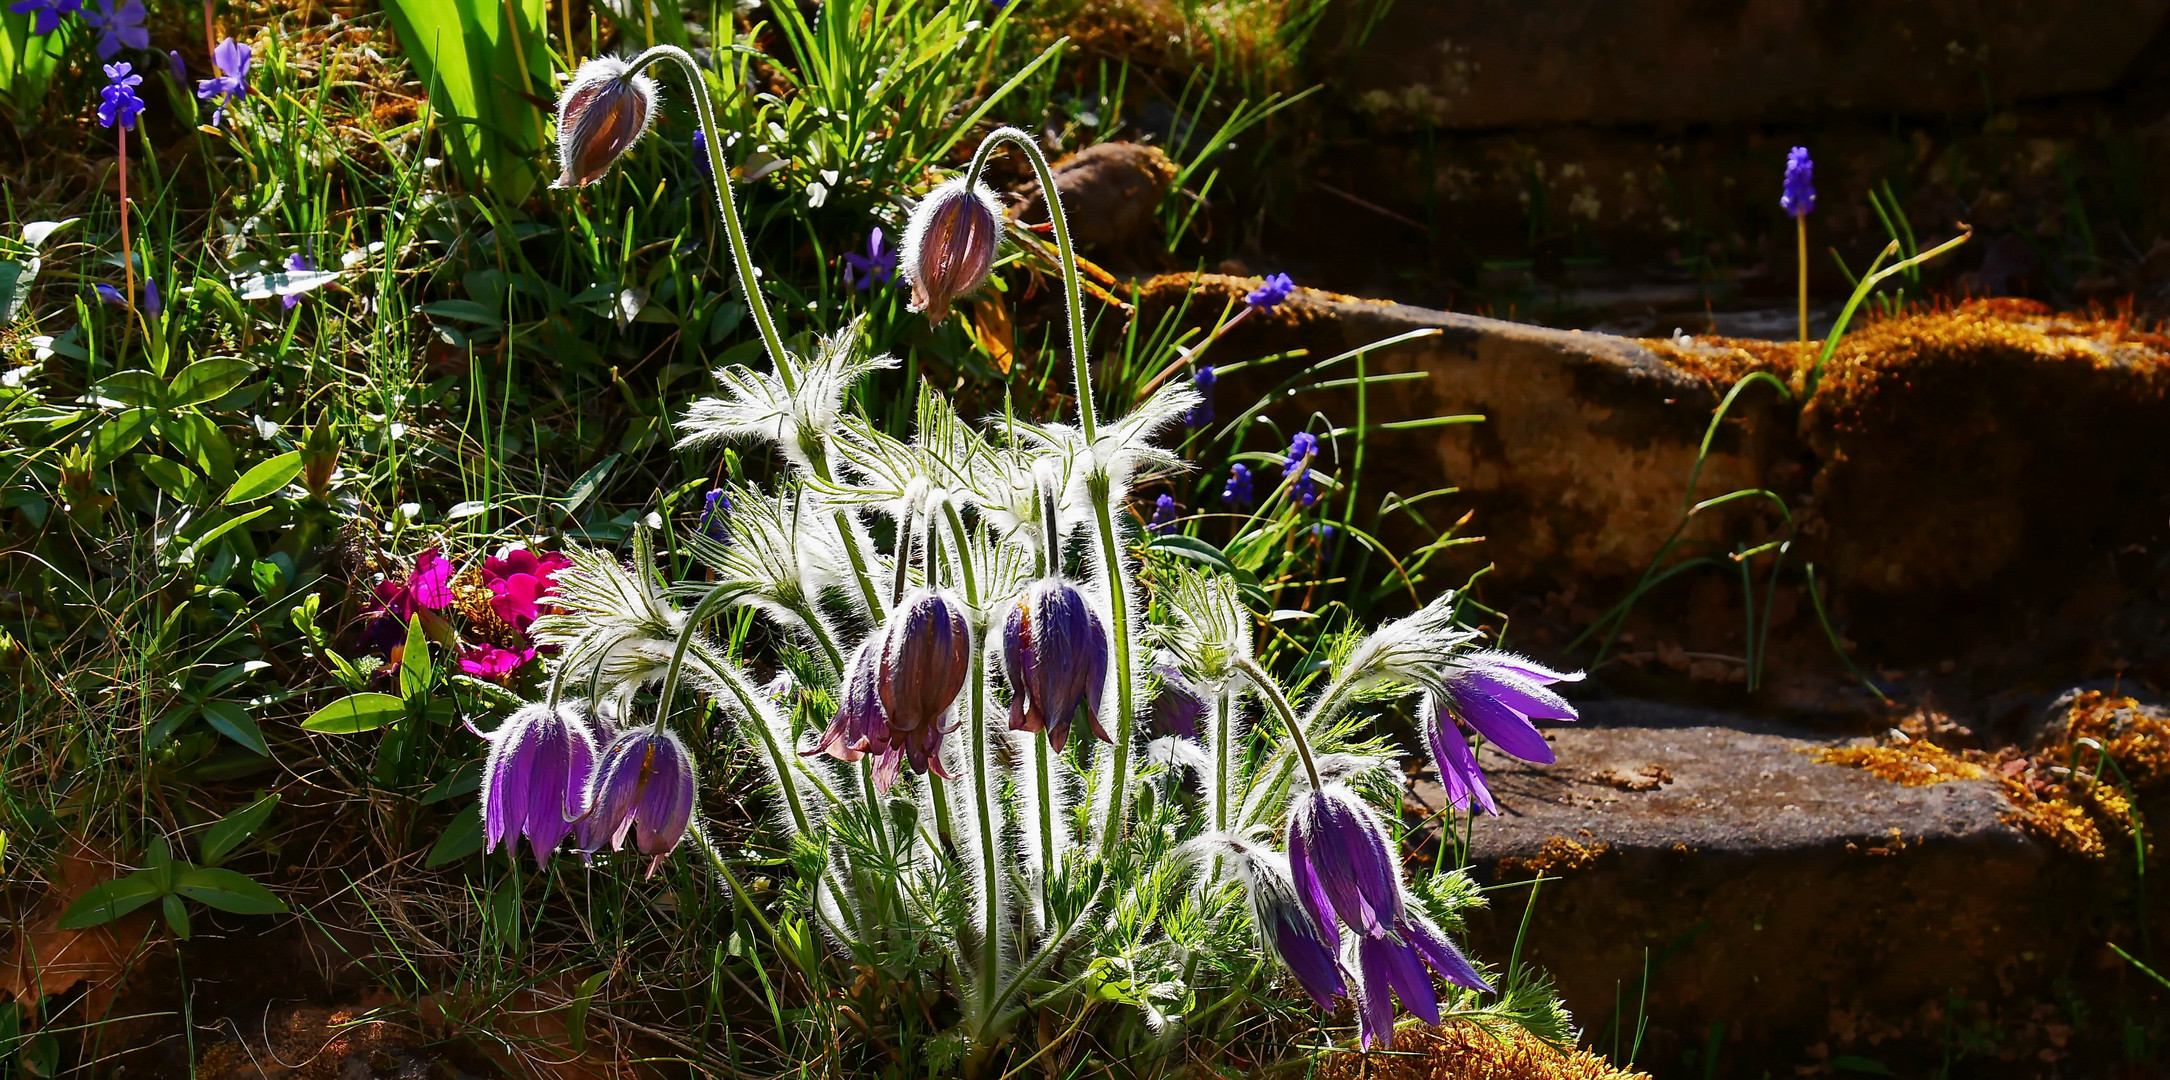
point(646, 787)
point(1287, 930)
point(1499, 694)
point(535, 779)
point(1458, 771)
point(1055, 657)
point(897, 688)
point(949, 245)
point(1179, 705)
point(603, 112)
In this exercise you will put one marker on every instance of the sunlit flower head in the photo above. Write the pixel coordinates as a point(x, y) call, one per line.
point(602, 113)
point(949, 245)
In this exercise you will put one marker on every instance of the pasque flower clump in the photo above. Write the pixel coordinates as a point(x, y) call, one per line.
point(966, 601)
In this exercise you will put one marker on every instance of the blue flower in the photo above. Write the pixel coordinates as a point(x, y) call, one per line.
point(1202, 413)
point(1301, 450)
point(1237, 492)
point(1270, 293)
point(231, 60)
point(877, 267)
point(49, 13)
point(118, 27)
point(1164, 514)
point(1799, 198)
point(297, 263)
point(700, 153)
point(716, 515)
point(119, 103)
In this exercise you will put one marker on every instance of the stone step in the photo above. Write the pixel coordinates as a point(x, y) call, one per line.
point(1790, 901)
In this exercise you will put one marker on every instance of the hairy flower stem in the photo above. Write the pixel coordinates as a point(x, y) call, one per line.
point(1072, 294)
point(983, 777)
point(1111, 554)
point(1272, 693)
point(727, 208)
point(1224, 722)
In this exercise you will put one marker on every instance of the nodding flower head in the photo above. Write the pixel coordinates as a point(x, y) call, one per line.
point(1458, 771)
point(645, 786)
point(1270, 292)
point(1287, 930)
point(603, 112)
point(1499, 694)
point(949, 245)
point(535, 780)
point(1237, 492)
point(1342, 863)
point(1055, 657)
point(1799, 197)
point(1179, 705)
point(1390, 966)
point(926, 654)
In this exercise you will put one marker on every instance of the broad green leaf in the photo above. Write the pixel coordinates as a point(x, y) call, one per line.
point(120, 434)
point(266, 478)
point(462, 838)
point(576, 1014)
point(208, 380)
point(204, 444)
point(1190, 547)
point(356, 713)
point(176, 916)
point(131, 389)
point(283, 283)
point(176, 479)
point(589, 483)
point(415, 670)
point(230, 831)
point(227, 891)
point(485, 64)
point(233, 722)
point(103, 903)
point(204, 542)
point(463, 310)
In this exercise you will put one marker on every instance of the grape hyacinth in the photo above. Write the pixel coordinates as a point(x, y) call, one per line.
point(1164, 515)
point(1301, 450)
point(1799, 197)
point(118, 103)
point(1201, 414)
point(1270, 293)
point(700, 154)
point(716, 515)
point(1237, 493)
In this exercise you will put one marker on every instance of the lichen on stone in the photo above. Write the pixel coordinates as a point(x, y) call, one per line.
point(1914, 763)
point(1469, 1052)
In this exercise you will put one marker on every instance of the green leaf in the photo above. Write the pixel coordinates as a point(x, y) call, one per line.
point(467, 54)
point(130, 389)
point(576, 1014)
point(463, 781)
point(415, 670)
point(204, 542)
point(1194, 549)
point(462, 838)
point(176, 479)
point(229, 831)
point(120, 434)
point(207, 380)
point(589, 483)
point(356, 713)
point(201, 440)
point(103, 903)
point(265, 478)
point(233, 722)
point(463, 310)
point(227, 891)
point(176, 916)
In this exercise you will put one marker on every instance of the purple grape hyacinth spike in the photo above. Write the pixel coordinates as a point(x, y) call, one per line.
point(1799, 197)
point(118, 103)
point(1201, 414)
point(1237, 493)
point(1270, 293)
point(1164, 514)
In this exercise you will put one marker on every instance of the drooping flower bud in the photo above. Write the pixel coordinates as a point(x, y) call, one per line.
point(926, 654)
point(949, 245)
point(1055, 657)
point(1284, 927)
point(603, 112)
point(535, 780)
point(645, 786)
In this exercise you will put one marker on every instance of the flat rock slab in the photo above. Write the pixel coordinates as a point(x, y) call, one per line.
point(1762, 890)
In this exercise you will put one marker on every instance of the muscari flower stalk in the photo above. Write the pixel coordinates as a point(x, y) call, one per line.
point(603, 112)
point(1055, 657)
point(1237, 493)
point(1270, 293)
point(1164, 514)
point(535, 779)
point(1347, 878)
point(1798, 199)
point(1202, 413)
point(645, 786)
point(949, 245)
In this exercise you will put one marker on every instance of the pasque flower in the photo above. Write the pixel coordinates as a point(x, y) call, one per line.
point(603, 112)
point(1055, 657)
point(1346, 876)
point(1799, 197)
point(1458, 771)
point(1498, 694)
point(949, 245)
point(1285, 927)
point(535, 779)
point(898, 687)
point(645, 787)
point(1179, 705)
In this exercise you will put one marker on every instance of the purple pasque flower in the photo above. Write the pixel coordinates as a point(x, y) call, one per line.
point(716, 515)
point(1458, 771)
point(900, 683)
point(48, 12)
point(1346, 876)
point(118, 27)
point(535, 779)
point(1179, 705)
point(1498, 694)
point(645, 786)
point(297, 263)
point(877, 267)
point(230, 62)
point(1799, 196)
point(1301, 450)
point(1055, 658)
point(1286, 929)
point(1270, 292)
point(1201, 414)
point(603, 112)
point(1238, 491)
point(1164, 514)
point(118, 103)
point(949, 245)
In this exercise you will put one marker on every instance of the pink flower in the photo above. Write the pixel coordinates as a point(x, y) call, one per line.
point(491, 662)
point(519, 581)
point(428, 588)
